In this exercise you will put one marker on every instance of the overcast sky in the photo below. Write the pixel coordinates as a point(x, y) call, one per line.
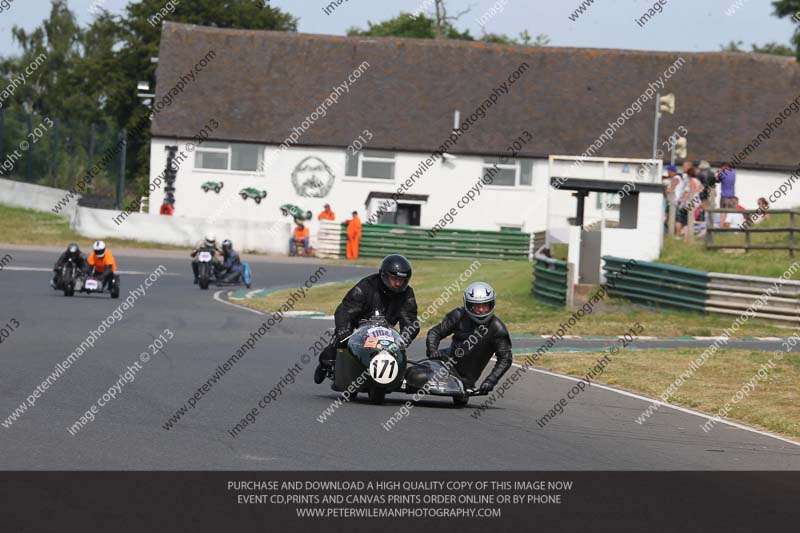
point(683, 25)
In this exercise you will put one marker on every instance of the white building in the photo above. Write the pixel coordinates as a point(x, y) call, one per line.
point(313, 119)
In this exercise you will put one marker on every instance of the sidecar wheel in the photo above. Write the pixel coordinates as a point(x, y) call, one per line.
point(460, 401)
point(376, 396)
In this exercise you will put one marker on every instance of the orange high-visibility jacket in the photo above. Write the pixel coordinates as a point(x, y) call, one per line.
point(101, 263)
point(300, 234)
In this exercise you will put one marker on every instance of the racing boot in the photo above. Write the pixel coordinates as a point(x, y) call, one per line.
point(325, 367)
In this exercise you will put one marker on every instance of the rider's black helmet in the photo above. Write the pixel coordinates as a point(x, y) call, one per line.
point(395, 272)
point(227, 245)
point(73, 249)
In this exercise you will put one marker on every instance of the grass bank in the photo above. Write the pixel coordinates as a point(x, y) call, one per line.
point(27, 226)
point(513, 280)
point(773, 404)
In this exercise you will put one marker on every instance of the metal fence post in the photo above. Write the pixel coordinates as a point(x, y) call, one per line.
point(2, 134)
point(89, 176)
point(54, 169)
point(28, 159)
point(121, 177)
point(671, 219)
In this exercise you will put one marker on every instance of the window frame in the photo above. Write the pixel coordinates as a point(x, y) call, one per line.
point(508, 165)
point(228, 151)
point(361, 158)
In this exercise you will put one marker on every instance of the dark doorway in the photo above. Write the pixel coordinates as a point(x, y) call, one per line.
point(406, 214)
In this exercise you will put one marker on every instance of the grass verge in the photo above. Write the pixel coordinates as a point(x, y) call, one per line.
point(773, 404)
point(27, 226)
point(522, 314)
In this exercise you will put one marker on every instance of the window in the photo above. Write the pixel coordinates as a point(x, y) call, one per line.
point(510, 172)
point(370, 164)
point(223, 156)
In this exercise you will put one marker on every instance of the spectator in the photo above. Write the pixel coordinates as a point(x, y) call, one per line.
point(353, 236)
point(166, 208)
point(675, 182)
point(735, 219)
point(727, 180)
point(701, 226)
point(689, 198)
point(761, 215)
point(301, 234)
point(709, 182)
point(326, 213)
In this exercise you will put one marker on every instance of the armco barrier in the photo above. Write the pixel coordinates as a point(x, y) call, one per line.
point(551, 282)
point(713, 292)
point(379, 240)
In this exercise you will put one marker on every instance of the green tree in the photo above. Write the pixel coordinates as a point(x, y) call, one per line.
point(421, 26)
point(769, 48)
point(790, 9)
point(122, 48)
point(50, 52)
point(411, 27)
point(774, 49)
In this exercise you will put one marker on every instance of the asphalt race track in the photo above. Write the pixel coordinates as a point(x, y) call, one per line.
point(596, 431)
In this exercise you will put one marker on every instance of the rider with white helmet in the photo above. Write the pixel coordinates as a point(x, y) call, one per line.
point(101, 261)
point(209, 243)
point(478, 334)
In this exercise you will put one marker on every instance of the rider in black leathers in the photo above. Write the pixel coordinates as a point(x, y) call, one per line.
point(489, 337)
point(232, 268)
point(387, 292)
point(73, 252)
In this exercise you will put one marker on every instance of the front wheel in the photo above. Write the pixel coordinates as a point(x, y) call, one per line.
point(376, 396)
point(460, 401)
point(257, 199)
point(244, 197)
point(115, 287)
point(216, 189)
point(202, 276)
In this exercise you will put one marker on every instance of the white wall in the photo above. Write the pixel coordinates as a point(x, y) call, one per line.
point(36, 197)
point(269, 237)
point(445, 185)
point(642, 243)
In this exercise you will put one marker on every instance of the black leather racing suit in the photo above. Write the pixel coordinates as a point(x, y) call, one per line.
point(362, 300)
point(486, 340)
point(80, 263)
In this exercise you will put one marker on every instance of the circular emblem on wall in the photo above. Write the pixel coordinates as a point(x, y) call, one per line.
point(312, 177)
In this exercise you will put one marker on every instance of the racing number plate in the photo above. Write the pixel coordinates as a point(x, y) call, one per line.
point(205, 257)
point(383, 368)
point(91, 284)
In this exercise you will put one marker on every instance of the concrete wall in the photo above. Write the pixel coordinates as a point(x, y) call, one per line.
point(269, 237)
point(21, 194)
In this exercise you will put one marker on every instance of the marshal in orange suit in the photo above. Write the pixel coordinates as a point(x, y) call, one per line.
point(353, 236)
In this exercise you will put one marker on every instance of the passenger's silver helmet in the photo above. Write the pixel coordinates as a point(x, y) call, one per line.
point(479, 293)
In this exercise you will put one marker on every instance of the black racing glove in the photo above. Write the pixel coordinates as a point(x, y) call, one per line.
point(437, 355)
point(342, 334)
point(488, 384)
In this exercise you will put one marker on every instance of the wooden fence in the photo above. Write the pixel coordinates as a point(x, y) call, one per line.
point(749, 229)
